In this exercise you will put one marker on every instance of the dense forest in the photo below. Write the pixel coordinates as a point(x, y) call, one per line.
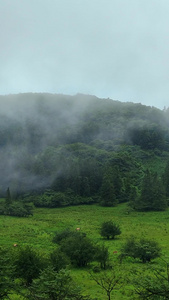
point(58, 150)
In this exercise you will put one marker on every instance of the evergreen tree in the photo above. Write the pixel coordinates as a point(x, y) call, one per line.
point(145, 199)
point(133, 196)
point(8, 197)
point(166, 179)
point(117, 182)
point(108, 194)
point(85, 187)
point(126, 190)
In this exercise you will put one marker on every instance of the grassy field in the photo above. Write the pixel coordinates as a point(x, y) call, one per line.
point(38, 231)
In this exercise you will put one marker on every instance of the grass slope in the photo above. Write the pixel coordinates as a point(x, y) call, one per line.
point(38, 231)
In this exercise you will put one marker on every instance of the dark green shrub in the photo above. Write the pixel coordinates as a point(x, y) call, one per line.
point(142, 249)
point(60, 236)
point(79, 249)
point(109, 230)
point(58, 260)
point(28, 264)
point(19, 209)
point(102, 256)
point(7, 284)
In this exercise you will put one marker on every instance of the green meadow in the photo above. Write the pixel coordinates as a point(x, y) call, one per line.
point(39, 230)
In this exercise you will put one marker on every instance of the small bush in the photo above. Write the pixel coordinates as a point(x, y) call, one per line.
point(109, 230)
point(60, 236)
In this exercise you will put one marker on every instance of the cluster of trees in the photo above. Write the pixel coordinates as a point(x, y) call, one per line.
point(49, 277)
point(80, 249)
point(150, 137)
point(117, 185)
point(153, 193)
point(117, 182)
point(122, 179)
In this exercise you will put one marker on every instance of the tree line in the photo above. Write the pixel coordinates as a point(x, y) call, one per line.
point(121, 180)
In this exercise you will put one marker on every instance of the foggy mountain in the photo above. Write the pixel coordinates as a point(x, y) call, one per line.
point(43, 136)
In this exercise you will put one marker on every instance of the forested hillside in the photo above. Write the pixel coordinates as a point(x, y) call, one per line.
point(57, 150)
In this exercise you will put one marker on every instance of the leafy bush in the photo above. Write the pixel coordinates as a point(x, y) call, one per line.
point(2, 208)
point(20, 209)
point(79, 249)
point(17, 209)
point(28, 264)
point(102, 256)
point(51, 199)
point(109, 230)
point(142, 249)
point(54, 199)
point(7, 283)
point(60, 236)
point(58, 260)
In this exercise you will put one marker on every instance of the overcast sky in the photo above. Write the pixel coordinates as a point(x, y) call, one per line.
point(108, 48)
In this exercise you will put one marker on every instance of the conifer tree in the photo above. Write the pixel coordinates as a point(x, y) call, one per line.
point(8, 202)
point(126, 190)
point(8, 197)
point(166, 179)
point(133, 196)
point(108, 195)
point(145, 199)
point(117, 182)
point(85, 187)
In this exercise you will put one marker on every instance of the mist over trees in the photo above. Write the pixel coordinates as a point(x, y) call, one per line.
point(57, 150)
